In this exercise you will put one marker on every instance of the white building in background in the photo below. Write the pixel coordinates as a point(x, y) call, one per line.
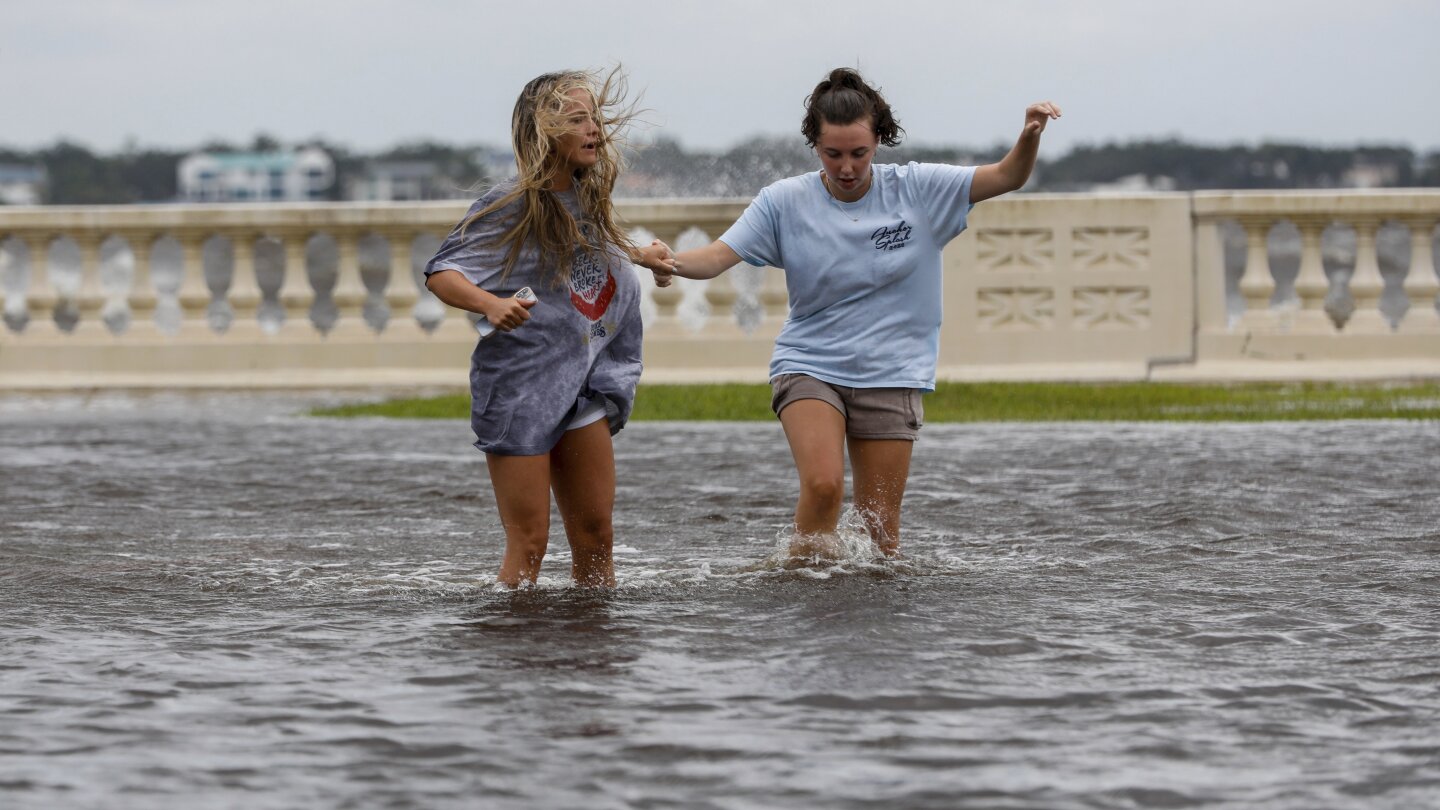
point(21, 185)
point(406, 180)
point(305, 174)
point(1370, 174)
point(410, 180)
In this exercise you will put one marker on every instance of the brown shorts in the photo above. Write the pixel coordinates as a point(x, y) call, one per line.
point(870, 413)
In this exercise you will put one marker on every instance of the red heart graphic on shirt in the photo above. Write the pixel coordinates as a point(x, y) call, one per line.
point(594, 309)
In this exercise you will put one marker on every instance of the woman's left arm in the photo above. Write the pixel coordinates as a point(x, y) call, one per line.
point(994, 179)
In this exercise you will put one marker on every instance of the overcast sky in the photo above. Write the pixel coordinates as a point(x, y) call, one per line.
point(373, 73)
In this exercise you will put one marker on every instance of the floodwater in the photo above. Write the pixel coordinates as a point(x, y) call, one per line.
point(216, 601)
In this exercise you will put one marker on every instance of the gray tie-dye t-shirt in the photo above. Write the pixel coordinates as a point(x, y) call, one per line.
point(580, 347)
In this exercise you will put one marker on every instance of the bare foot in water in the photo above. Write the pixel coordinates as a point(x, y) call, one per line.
point(816, 546)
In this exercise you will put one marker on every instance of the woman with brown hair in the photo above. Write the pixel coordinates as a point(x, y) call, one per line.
point(860, 245)
point(557, 377)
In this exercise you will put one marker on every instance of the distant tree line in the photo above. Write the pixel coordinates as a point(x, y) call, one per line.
point(77, 176)
point(1267, 166)
point(664, 168)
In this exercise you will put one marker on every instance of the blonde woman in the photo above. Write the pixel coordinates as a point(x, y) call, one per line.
point(557, 377)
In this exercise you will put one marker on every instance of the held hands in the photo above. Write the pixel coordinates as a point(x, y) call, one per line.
point(505, 314)
point(659, 259)
point(1037, 115)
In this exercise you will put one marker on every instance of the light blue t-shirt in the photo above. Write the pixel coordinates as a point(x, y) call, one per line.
point(863, 277)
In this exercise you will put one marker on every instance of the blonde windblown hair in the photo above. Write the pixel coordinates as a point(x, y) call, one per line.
point(543, 223)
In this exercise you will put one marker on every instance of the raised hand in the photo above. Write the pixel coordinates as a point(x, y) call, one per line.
point(1037, 115)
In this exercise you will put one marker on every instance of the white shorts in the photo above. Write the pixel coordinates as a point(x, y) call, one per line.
point(588, 415)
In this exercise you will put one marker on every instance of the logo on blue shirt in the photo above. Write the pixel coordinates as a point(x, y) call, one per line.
point(892, 238)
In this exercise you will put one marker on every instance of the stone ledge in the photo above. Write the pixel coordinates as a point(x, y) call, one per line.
point(1301, 371)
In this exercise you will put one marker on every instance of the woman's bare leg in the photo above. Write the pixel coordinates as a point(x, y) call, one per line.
point(582, 473)
point(881, 468)
point(816, 432)
point(522, 493)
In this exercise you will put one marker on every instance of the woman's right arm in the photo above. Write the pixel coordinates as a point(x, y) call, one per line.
point(706, 262)
point(452, 287)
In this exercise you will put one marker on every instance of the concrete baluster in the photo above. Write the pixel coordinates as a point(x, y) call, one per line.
point(401, 294)
point(90, 297)
point(40, 297)
point(350, 292)
point(244, 294)
point(1257, 285)
point(1311, 284)
point(295, 294)
point(194, 293)
point(142, 284)
point(1366, 283)
point(1420, 283)
point(401, 290)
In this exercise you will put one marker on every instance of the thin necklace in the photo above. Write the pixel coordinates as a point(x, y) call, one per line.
point(835, 201)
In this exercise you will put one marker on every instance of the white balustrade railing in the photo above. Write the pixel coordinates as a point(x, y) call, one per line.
point(191, 270)
point(1337, 279)
point(1042, 286)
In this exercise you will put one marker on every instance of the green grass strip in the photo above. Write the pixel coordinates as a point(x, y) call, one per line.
point(1021, 402)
